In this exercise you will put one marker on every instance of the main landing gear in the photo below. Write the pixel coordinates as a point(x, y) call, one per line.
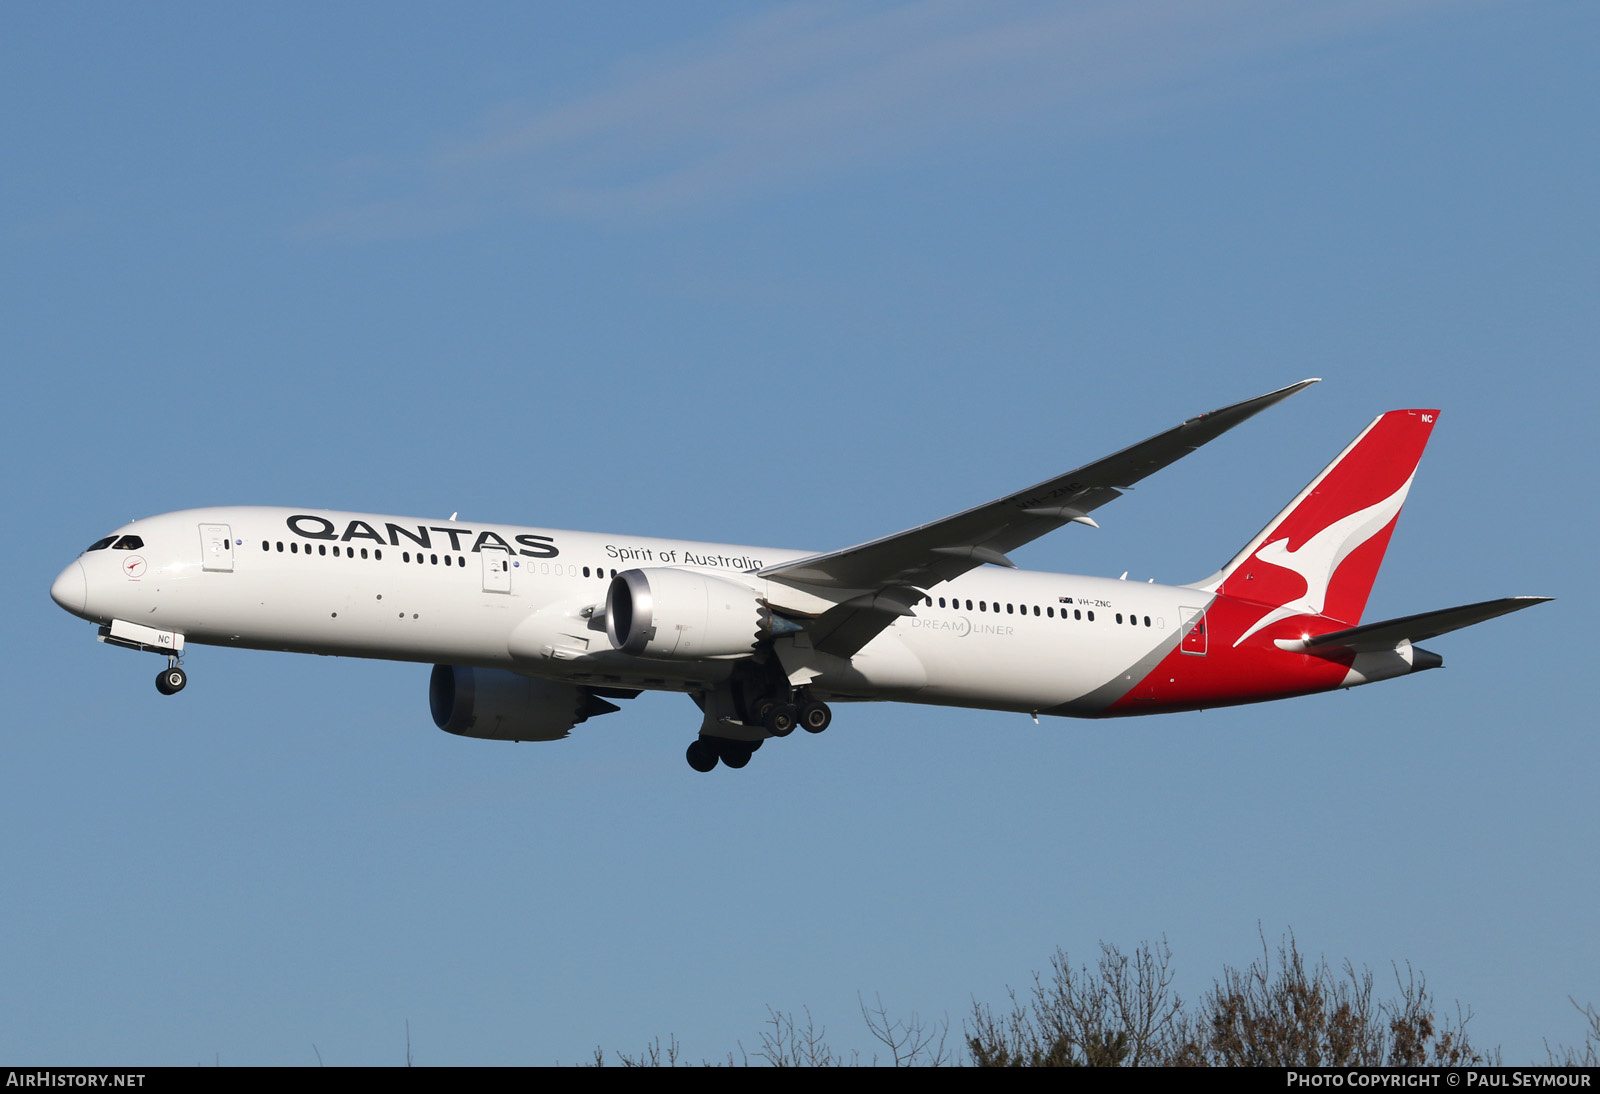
point(815, 716)
point(171, 679)
point(779, 718)
point(777, 715)
point(704, 752)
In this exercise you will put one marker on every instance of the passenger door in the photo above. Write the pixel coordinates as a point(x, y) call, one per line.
point(496, 569)
point(216, 548)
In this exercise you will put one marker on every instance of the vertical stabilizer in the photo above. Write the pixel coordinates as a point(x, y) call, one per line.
point(1321, 555)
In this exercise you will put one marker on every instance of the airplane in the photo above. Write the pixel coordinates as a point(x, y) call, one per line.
point(532, 631)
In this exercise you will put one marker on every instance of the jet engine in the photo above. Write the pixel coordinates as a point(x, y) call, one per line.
point(681, 614)
point(497, 705)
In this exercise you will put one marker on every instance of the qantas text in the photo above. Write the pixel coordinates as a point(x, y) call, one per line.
point(310, 526)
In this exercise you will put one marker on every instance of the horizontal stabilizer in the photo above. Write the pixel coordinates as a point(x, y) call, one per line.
point(1373, 637)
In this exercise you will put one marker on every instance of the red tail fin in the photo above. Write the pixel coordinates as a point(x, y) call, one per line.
point(1321, 555)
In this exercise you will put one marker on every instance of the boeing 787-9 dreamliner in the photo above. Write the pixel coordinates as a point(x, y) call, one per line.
point(533, 631)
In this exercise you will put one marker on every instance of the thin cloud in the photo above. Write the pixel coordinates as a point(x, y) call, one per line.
point(806, 92)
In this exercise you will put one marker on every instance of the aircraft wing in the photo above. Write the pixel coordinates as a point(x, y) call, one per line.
point(1386, 635)
point(891, 573)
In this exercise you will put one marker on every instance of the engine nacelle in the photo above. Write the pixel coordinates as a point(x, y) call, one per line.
point(497, 705)
point(680, 614)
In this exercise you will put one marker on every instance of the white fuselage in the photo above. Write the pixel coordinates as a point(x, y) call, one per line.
point(533, 600)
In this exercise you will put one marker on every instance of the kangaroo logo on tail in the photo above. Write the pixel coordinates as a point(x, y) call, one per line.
point(1332, 537)
point(1317, 559)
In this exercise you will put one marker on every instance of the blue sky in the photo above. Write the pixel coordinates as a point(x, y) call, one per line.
point(796, 275)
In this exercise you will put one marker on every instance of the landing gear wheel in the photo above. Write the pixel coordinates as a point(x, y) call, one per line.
point(735, 754)
point(816, 717)
point(780, 720)
point(171, 681)
point(702, 754)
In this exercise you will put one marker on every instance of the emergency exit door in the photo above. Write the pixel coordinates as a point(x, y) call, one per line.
point(1193, 623)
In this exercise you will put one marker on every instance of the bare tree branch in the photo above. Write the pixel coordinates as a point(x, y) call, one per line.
point(911, 1042)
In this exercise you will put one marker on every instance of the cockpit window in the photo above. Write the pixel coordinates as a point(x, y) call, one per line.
point(128, 543)
point(101, 544)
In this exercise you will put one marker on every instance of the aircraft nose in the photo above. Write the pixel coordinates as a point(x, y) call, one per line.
point(71, 589)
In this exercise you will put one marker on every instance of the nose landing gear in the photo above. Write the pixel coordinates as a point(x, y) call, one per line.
point(171, 679)
point(136, 636)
